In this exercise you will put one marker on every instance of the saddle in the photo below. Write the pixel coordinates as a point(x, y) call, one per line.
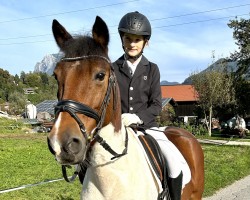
point(157, 161)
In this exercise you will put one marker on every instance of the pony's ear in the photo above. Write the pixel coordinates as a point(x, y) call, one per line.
point(60, 33)
point(100, 32)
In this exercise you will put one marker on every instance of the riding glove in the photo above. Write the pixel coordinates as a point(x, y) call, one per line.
point(128, 119)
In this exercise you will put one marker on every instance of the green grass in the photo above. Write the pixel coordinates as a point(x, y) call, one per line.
point(12, 126)
point(25, 159)
point(224, 165)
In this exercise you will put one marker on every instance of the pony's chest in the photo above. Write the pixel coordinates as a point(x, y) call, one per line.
point(122, 179)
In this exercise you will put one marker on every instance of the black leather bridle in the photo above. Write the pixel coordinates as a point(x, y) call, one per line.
point(74, 108)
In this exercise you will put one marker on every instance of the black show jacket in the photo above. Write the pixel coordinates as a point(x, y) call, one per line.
point(140, 93)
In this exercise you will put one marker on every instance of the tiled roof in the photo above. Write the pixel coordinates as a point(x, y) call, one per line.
point(179, 92)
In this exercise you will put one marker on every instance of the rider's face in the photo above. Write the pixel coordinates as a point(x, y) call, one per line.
point(133, 44)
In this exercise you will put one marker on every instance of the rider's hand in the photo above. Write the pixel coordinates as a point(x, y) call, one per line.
point(128, 119)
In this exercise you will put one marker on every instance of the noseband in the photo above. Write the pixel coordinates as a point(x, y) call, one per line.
point(73, 108)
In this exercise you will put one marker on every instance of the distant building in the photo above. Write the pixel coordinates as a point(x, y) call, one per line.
point(168, 101)
point(30, 110)
point(29, 90)
point(184, 96)
point(47, 106)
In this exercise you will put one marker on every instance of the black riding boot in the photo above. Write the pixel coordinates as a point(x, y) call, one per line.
point(175, 187)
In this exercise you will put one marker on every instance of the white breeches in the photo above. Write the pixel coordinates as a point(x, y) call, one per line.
point(175, 161)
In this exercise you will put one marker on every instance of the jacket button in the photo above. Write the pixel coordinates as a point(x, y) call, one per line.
point(130, 98)
point(131, 108)
point(131, 88)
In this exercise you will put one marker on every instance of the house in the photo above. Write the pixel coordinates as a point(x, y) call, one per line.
point(29, 90)
point(47, 106)
point(168, 104)
point(185, 98)
point(166, 101)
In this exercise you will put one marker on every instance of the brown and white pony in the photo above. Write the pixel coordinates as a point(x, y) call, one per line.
point(88, 125)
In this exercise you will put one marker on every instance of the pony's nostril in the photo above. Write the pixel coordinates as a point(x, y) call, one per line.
point(75, 145)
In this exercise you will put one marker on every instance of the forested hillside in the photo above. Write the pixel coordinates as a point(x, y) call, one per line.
point(12, 89)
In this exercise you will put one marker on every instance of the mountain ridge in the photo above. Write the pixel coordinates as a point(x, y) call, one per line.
point(220, 65)
point(49, 61)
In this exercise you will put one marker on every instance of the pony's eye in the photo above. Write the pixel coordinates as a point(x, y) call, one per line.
point(100, 76)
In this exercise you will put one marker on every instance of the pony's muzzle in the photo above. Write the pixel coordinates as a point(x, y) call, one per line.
point(69, 151)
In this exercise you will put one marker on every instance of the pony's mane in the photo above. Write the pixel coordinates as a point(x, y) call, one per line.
point(81, 46)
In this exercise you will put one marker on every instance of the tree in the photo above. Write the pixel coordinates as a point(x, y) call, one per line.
point(22, 77)
point(7, 84)
point(45, 78)
point(33, 80)
point(17, 102)
point(214, 88)
point(167, 116)
point(242, 36)
point(242, 75)
point(16, 79)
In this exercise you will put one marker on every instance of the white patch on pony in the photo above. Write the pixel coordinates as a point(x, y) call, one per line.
point(55, 144)
point(57, 147)
point(58, 121)
point(114, 140)
point(126, 178)
point(136, 135)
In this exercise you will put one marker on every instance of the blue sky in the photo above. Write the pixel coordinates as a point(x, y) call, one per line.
point(184, 33)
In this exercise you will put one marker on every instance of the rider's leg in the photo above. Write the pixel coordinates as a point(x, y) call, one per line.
point(170, 152)
point(175, 187)
point(175, 162)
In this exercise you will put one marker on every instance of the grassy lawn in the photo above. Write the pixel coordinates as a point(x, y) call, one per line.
point(224, 165)
point(25, 159)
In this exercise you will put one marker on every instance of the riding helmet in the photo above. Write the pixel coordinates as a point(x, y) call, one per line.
point(135, 23)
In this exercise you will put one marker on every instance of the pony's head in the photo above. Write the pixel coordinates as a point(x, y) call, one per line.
point(88, 95)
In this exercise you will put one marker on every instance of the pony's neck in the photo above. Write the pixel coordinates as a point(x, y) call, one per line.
point(115, 139)
point(112, 179)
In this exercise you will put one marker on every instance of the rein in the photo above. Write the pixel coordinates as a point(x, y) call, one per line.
point(74, 108)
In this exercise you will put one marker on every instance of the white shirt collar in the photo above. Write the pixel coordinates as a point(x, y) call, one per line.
point(133, 66)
